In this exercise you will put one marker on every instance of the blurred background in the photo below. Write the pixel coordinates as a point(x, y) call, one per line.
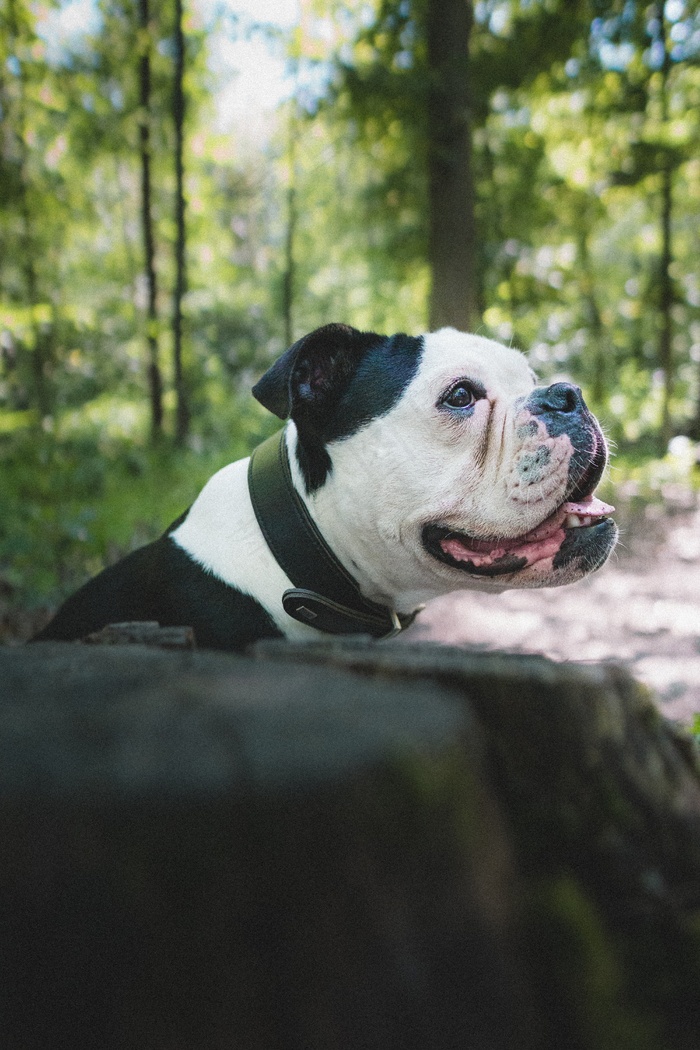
point(186, 186)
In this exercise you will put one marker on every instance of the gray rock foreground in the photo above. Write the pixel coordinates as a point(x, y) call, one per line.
point(342, 846)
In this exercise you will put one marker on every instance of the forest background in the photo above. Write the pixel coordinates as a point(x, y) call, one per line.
point(528, 169)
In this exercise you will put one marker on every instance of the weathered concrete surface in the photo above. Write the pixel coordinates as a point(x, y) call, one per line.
point(342, 846)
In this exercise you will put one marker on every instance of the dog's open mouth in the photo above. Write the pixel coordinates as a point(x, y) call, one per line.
point(497, 556)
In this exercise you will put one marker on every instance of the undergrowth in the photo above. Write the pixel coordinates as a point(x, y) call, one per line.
point(72, 504)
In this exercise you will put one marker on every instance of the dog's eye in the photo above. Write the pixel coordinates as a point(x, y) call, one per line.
point(460, 396)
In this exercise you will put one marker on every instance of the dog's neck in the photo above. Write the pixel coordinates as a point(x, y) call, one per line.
point(354, 536)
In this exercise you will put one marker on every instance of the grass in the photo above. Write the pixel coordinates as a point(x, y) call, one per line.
point(76, 500)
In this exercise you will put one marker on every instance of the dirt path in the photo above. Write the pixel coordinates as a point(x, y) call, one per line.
point(642, 610)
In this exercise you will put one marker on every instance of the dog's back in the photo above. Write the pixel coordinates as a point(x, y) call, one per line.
point(161, 582)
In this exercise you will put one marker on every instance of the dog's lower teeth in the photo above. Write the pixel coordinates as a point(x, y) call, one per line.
point(575, 521)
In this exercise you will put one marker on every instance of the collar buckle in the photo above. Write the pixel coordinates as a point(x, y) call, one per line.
point(396, 626)
point(324, 614)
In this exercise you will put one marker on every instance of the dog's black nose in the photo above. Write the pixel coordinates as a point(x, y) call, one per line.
point(559, 397)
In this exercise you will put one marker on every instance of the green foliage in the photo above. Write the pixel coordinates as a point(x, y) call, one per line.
point(695, 728)
point(76, 501)
point(578, 112)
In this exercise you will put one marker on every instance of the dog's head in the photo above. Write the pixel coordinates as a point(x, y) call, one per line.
point(435, 463)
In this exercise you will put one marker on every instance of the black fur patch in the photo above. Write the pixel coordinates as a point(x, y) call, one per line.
point(588, 548)
point(161, 582)
point(563, 411)
point(377, 383)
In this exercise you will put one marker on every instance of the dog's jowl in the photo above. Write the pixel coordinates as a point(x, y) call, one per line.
point(408, 468)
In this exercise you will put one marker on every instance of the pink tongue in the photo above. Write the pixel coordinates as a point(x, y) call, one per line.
point(593, 507)
point(590, 508)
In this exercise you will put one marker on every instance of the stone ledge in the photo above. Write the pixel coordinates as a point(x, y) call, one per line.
point(342, 845)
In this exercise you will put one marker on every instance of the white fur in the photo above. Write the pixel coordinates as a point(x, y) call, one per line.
point(222, 535)
point(419, 464)
point(416, 464)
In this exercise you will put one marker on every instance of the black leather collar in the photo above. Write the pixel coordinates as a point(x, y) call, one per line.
point(324, 595)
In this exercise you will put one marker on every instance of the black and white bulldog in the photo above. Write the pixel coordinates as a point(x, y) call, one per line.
point(409, 467)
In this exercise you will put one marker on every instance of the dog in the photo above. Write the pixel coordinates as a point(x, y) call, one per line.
point(409, 467)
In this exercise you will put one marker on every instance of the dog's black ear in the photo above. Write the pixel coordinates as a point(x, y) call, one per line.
point(314, 369)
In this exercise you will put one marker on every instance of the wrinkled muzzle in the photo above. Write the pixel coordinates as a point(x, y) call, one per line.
point(559, 457)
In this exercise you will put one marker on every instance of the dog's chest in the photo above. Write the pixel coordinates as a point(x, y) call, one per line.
point(221, 534)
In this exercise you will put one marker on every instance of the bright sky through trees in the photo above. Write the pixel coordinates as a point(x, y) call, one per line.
point(249, 66)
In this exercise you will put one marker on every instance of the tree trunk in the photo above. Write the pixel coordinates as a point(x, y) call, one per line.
point(665, 304)
point(451, 222)
point(155, 383)
point(366, 847)
point(29, 246)
point(182, 409)
point(498, 212)
point(666, 362)
point(594, 321)
point(289, 264)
